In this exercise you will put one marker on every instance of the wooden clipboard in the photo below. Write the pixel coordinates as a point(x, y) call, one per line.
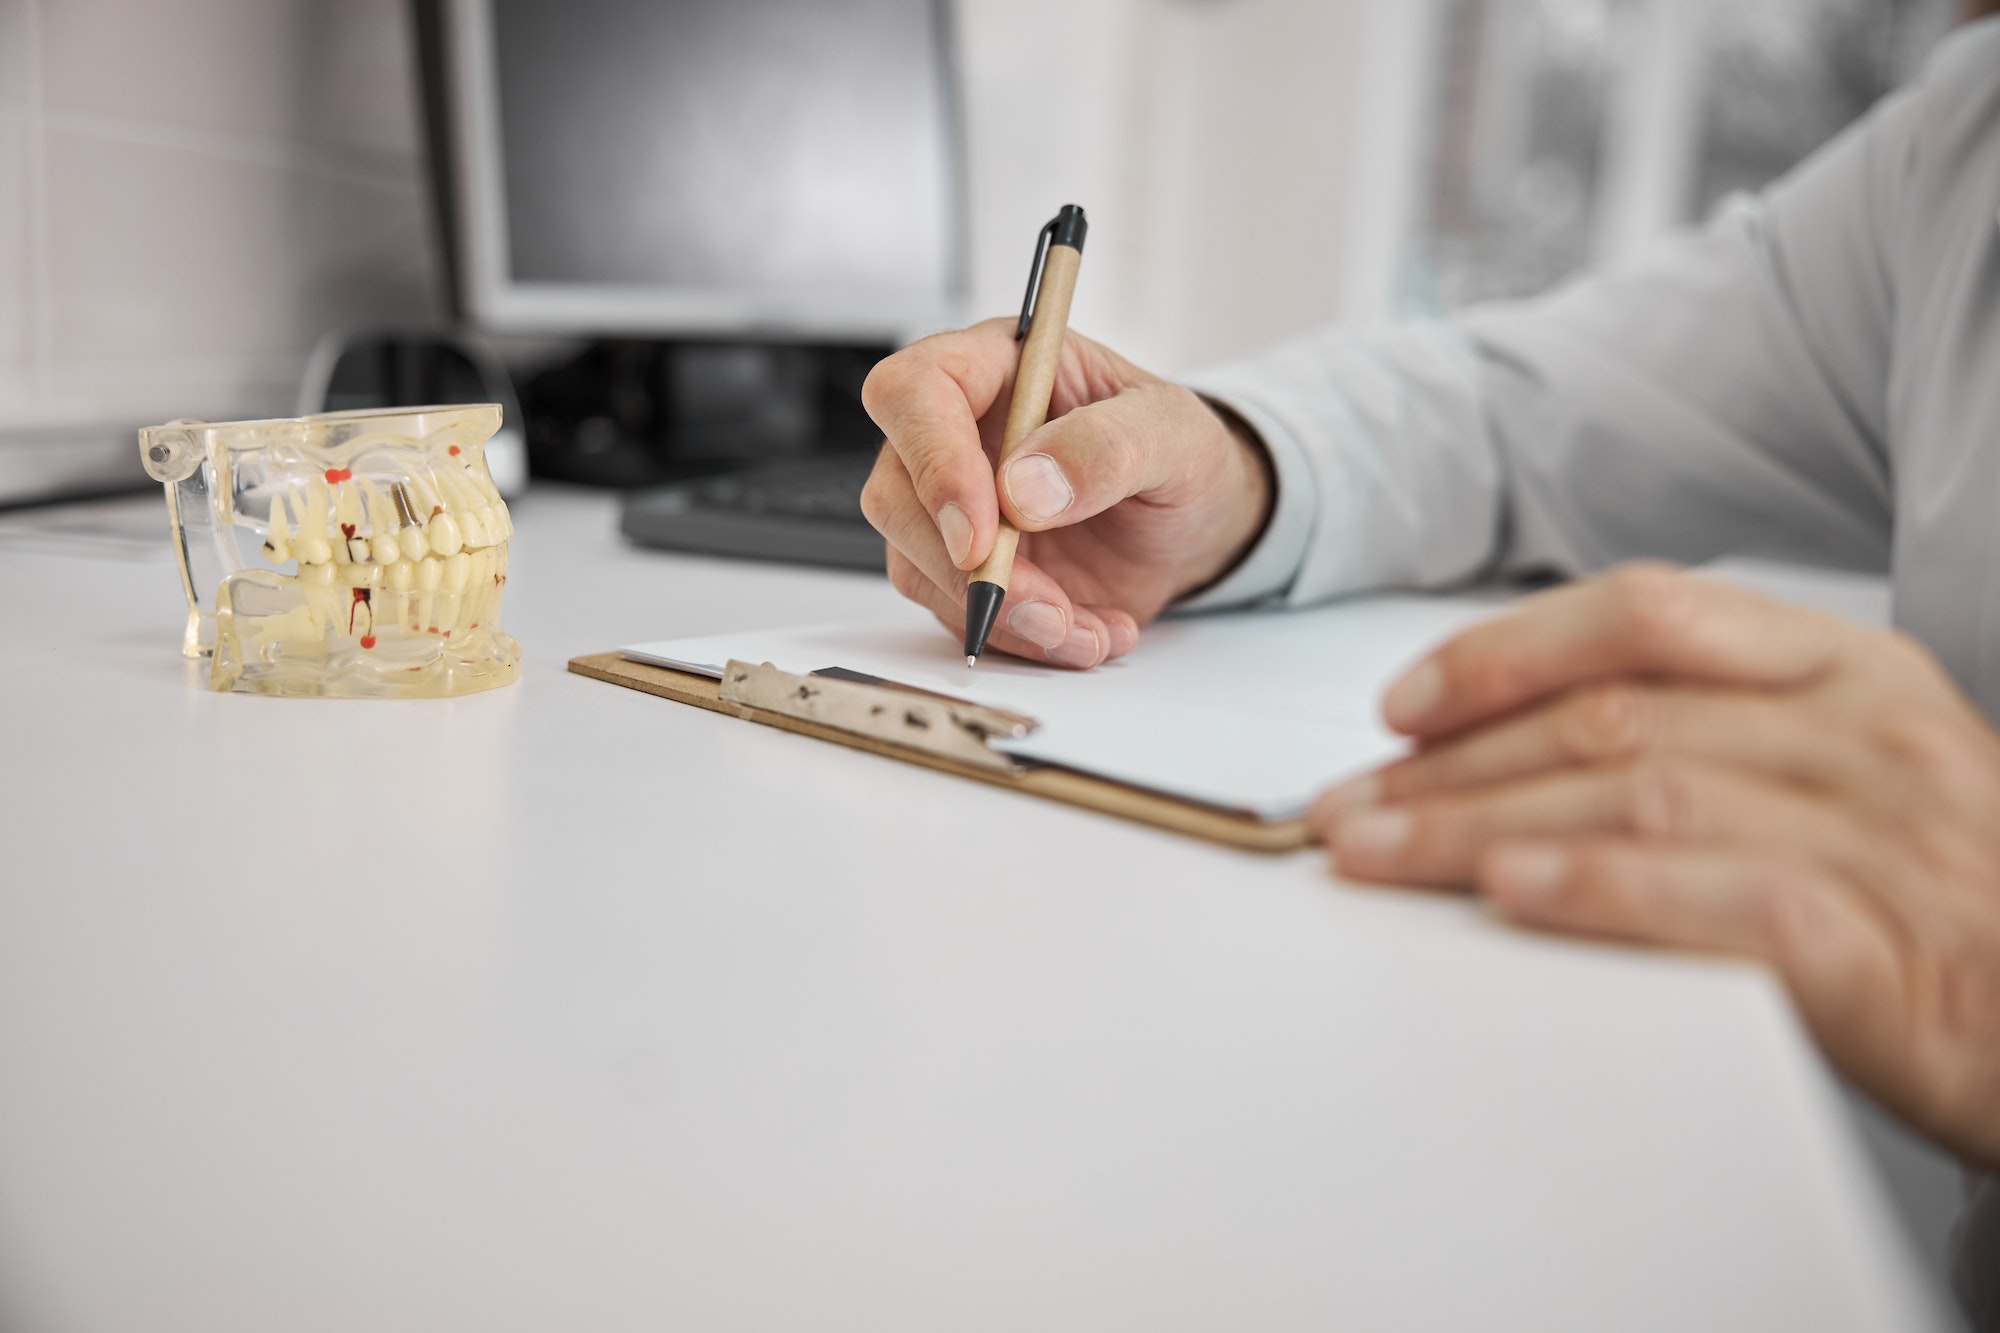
point(1230, 827)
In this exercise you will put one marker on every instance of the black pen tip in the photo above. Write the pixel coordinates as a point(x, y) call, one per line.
point(982, 609)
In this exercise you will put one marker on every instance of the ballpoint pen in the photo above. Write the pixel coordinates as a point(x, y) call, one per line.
point(1044, 317)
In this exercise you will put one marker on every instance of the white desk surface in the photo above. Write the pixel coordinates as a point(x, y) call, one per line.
point(567, 1007)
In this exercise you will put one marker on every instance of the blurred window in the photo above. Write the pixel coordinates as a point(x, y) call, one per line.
point(1566, 132)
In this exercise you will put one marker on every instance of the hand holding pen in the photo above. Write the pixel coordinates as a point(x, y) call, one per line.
point(1134, 493)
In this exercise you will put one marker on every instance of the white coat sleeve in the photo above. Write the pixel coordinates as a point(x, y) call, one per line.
point(1722, 395)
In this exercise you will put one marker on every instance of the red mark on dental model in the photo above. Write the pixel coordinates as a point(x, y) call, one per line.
point(453, 451)
point(337, 474)
point(347, 531)
point(368, 641)
point(360, 600)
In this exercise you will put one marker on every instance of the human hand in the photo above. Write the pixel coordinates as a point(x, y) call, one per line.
point(1135, 493)
point(1657, 757)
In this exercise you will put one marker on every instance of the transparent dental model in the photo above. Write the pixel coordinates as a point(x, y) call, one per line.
point(352, 554)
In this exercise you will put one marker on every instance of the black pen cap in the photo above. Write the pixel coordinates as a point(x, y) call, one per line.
point(1070, 227)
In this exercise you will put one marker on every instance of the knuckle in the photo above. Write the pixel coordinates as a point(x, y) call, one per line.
point(1598, 875)
point(1663, 799)
point(1908, 656)
point(875, 502)
point(1640, 578)
point(1605, 722)
point(905, 578)
point(1948, 1002)
point(1777, 895)
point(930, 464)
point(887, 381)
point(1657, 604)
point(1112, 449)
point(1933, 748)
point(1493, 671)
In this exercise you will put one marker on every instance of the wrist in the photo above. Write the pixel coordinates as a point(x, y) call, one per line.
point(1249, 489)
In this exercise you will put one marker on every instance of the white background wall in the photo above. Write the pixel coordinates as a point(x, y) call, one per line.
point(1211, 140)
point(191, 191)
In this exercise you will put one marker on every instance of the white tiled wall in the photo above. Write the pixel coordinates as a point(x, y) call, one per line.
point(192, 192)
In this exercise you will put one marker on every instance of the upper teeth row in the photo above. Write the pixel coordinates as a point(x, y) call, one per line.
point(357, 520)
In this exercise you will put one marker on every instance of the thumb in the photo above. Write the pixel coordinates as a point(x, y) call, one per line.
point(1089, 459)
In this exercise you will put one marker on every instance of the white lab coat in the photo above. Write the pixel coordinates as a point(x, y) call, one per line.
point(1815, 377)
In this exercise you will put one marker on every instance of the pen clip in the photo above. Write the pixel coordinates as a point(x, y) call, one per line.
point(1035, 278)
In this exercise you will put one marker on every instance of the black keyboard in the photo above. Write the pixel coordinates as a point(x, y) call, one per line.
point(803, 510)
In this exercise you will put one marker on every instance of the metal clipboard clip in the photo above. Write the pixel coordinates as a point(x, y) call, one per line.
point(895, 715)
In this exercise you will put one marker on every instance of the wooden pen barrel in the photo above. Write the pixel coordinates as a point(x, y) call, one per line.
point(1035, 380)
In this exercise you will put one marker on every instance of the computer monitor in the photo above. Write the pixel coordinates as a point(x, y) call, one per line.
point(704, 169)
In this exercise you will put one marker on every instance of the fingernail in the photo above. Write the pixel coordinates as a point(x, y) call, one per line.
point(1040, 623)
point(1037, 487)
point(1350, 795)
point(956, 529)
point(1413, 697)
point(1371, 835)
point(1080, 649)
point(1529, 874)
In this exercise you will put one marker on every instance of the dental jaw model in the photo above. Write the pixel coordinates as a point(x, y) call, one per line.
point(353, 554)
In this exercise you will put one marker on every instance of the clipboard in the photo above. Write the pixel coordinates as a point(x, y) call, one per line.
point(932, 731)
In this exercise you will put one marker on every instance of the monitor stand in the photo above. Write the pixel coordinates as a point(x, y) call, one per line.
point(641, 412)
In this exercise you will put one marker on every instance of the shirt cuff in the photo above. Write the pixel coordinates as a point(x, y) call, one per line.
point(1268, 569)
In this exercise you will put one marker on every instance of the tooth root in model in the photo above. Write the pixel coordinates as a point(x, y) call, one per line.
point(429, 571)
point(476, 477)
point(347, 505)
point(424, 499)
point(361, 614)
point(451, 493)
point(312, 548)
point(457, 568)
point(322, 492)
point(323, 594)
point(402, 576)
point(479, 587)
point(383, 548)
point(457, 485)
point(278, 542)
point(314, 518)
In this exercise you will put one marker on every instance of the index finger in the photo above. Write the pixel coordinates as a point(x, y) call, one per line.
point(1643, 620)
point(928, 399)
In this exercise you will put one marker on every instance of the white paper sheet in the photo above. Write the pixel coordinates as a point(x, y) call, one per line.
point(1250, 712)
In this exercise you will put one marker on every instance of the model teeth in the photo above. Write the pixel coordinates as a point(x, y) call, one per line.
point(422, 553)
point(445, 537)
point(278, 544)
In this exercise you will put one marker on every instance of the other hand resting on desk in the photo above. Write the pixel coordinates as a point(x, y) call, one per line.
point(1653, 756)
